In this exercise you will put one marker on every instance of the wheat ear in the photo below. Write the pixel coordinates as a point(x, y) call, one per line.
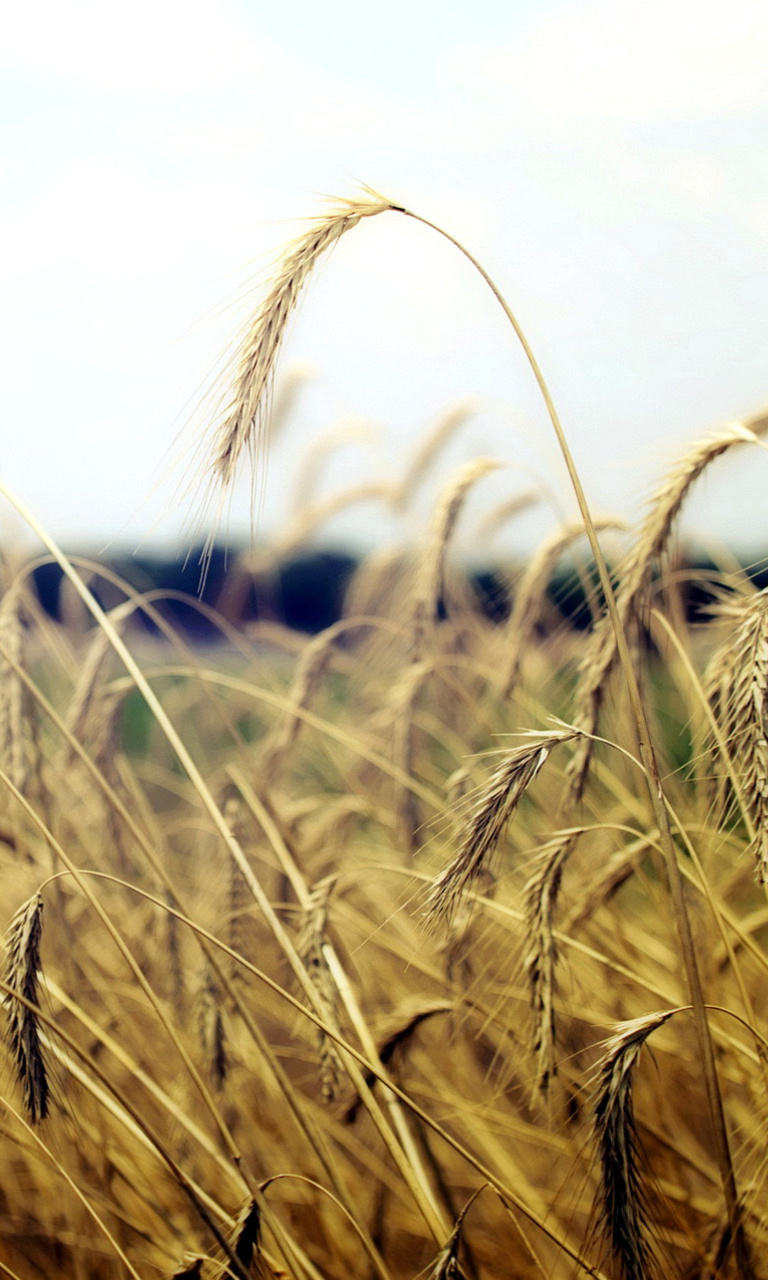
point(530, 592)
point(311, 668)
point(242, 423)
point(634, 580)
point(18, 748)
point(486, 825)
point(430, 580)
point(541, 894)
point(622, 1195)
point(736, 683)
point(311, 949)
point(210, 1025)
point(21, 977)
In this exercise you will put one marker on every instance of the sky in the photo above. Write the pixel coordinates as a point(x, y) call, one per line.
point(605, 160)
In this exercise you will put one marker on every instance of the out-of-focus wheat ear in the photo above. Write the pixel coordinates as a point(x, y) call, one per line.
point(233, 810)
point(486, 824)
point(634, 579)
point(311, 948)
point(622, 1205)
point(210, 1026)
point(495, 519)
point(600, 888)
point(530, 595)
point(402, 706)
point(177, 986)
point(737, 685)
point(298, 532)
point(18, 745)
point(241, 427)
point(430, 577)
point(310, 671)
point(429, 448)
point(88, 710)
point(22, 967)
point(541, 894)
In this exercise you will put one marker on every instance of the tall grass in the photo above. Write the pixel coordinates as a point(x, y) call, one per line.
point(428, 946)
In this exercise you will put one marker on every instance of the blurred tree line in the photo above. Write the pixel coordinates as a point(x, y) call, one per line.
point(306, 592)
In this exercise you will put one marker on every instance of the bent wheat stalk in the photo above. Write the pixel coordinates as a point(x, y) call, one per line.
point(238, 432)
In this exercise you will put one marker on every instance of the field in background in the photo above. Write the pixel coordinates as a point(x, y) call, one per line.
point(431, 945)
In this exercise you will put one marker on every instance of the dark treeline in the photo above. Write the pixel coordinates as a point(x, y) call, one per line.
point(307, 592)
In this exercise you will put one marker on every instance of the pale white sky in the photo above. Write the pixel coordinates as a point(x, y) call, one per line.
point(605, 159)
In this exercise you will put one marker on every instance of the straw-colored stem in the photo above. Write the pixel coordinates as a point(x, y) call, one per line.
point(653, 779)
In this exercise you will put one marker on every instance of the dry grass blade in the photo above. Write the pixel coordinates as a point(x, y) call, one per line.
point(623, 1202)
point(89, 708)
point(403, 708)
point(486, 825)
point(21, 975)
point(737, 686)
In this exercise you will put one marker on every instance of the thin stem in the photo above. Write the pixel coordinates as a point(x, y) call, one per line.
point(653, 777)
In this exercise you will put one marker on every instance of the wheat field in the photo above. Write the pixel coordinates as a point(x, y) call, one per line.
point(433, 945)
